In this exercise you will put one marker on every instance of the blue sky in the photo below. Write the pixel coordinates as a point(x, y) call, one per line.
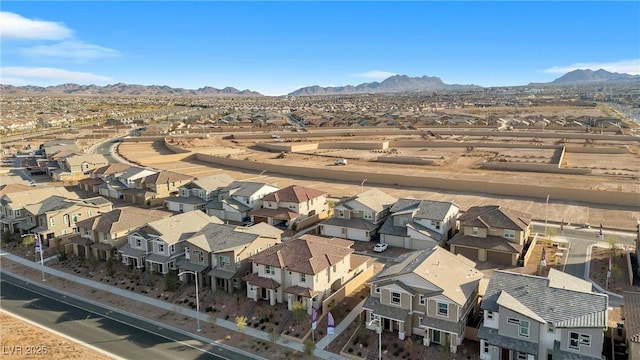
point(278, 47)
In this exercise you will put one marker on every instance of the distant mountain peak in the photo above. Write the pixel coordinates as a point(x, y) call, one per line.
point(588, 75)
point(125, 90)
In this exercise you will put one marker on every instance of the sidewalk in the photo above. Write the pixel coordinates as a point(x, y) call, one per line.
point(320, 345)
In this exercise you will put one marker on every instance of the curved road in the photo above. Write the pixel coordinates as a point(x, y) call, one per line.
point(116, 333)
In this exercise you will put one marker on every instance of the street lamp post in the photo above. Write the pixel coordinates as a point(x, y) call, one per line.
point(362, 185)
point(379, 331)
point(40, 250)
point(546, 215)
point(195, 274)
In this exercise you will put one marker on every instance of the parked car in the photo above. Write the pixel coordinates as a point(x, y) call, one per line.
point(32, 183)
point(380, 247)
point(340, 162)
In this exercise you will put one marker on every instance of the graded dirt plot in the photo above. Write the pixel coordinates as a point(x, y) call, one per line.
point(605, 164)
point(22, 340)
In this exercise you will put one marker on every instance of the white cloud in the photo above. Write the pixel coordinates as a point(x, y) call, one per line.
point(14, 26)
point(19, 75)
point(72, 50)
point(623, 66)
point(375, 74)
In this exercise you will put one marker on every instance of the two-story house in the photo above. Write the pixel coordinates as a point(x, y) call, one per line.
point(303, 270)
point(492, 233)
point(14, 197)
point(120, 180)
point(100, 175)
point(429, 293)
point(531, 317)
point(197, 193)
point(359, 217)
point(107, 232)
point(631, 316)
point(218, 253)
point(234, 202)
point(285, 206)
point(57, 216)
point(159, 185)
point(419, 224)
point(76, 166)
point(159, 245)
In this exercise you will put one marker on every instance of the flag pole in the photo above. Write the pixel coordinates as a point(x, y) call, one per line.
point(39, 249)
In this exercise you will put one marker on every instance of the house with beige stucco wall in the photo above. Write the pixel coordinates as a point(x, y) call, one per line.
point(305, 269)
point(429, 293)
point(492, 233)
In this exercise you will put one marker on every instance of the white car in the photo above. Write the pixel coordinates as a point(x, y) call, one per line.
point(380, 247)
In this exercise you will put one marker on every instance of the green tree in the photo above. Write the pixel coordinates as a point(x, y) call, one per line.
point(241, 324)
point(171, 281)
point(274, 335)
point(612, 240)
point(299, 311)
point(309, 347)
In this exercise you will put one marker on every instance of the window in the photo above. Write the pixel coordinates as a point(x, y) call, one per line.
point(485, 347)
point(172, 249)
point(269, 270)
point(509, 234)
point(303, 277)
point(489, 315)
point(522, 356)
point(201, 256)
point(335, 267)
point(524, 328)
point(65, 219)
point(420, 321)
point(52, 221)
point(238, 262)
point(341, 213)
point(438, 225)
point(551, 328)
point(105, 236)
point(18, 213)
point(224, 261)
point(474, 231)
point(422, 299)
point(367, 215)
point(395, 298)
point(251, 288)
point(377, 290)
point(372, 316)
point(443, 309)
point(344, 230)
point(576, 340)
point(160, 248)
point(513, 321)
point(138, 242)
point(235, 282)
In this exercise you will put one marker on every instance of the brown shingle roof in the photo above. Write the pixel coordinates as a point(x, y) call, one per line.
point(294, 194)
point(494, 216)
point(11, 188)
point(308, 254)
point(631, 313)
point(164, 177)
point(257, 280)
point(111, 169)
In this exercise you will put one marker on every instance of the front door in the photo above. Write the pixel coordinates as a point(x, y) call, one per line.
point(387, 324)
point(436, 337)
point(265, 294)
point(505, 354)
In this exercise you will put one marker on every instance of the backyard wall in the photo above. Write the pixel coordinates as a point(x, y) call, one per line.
point(596, 150)
point(347, 289)
point(603, 197)
point(532, 167)
point(405, 160)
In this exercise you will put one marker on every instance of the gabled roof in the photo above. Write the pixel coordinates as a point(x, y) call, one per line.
point(121, 219)
point(209, 183)
point(494, 216)
point(454, 275)
point(111, 169)
point(55, 203)
point(178, 227)
point(13, 188)
point(221, 237)
point(308, 254)
point(79, 159)
point(535, 295)
point(294, 194)
point(19, 199)
point(374, 199)
point(244, 188)
point(490, 242)
point(423, 209)
point(165, 177)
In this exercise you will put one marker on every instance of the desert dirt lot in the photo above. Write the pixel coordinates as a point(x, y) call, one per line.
point(22, 340)
point(455, 163)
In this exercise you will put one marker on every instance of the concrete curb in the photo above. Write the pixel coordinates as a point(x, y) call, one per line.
point(587, 269)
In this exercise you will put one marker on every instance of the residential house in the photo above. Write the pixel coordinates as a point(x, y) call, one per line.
point(54, 146)
point(306, 269)
point(57, 216)
point(107, 232)
point(120, 181)
point(159, 245)
point(158, 185)
point(359, 217)
point(429, 293)
point(286, 206)
point(631, 316)
point(532, 317)
point(76, 166)
point(234, 202)
point(419, 224)
point(492, 233)
point(196, 194)
point(218, 253)
point(14, 197)
point(100, 175)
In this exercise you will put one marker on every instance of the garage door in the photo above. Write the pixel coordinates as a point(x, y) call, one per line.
point(260, 219)
point(469, 253)
point(498, 257)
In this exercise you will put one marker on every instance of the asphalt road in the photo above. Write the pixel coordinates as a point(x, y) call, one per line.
point(114, 332)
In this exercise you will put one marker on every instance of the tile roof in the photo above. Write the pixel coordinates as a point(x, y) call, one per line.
point(279, 213)
point(218, 237)
point(374, 199)
point(561, 306)
point(211, 182)
point(494, 216)
point(308, 254)
point(454, 275)
point(491, 242)
point(294, 194)
point(164, 177)
point(631, 313)
point(18, 200)
point(12, 188)
point(354, 223)
point(257, 280)
point(301, 291)
point(111, 169)
point(423, 209)
point(119, 220)
point(244, 188)
point(179, 227)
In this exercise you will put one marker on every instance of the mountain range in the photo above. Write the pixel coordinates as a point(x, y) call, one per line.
point(393, 84)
